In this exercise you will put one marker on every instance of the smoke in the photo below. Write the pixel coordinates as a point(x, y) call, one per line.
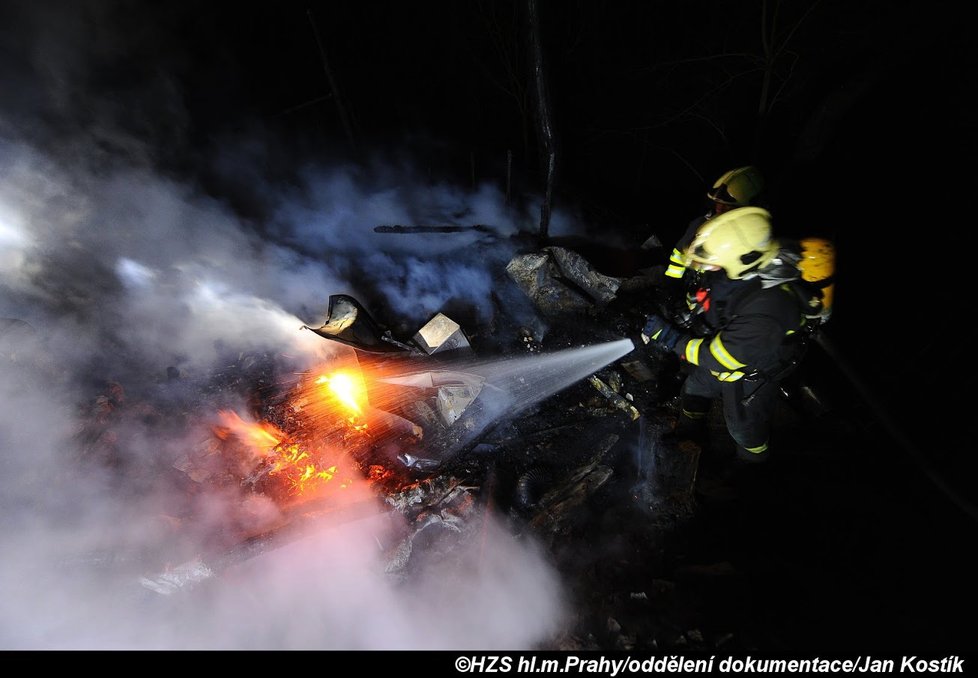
point(128, 291)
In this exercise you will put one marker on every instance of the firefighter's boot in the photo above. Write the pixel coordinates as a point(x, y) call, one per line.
point(691, 424)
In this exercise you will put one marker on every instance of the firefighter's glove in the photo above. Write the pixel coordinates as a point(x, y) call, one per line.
point(679, 314)
point(661, 333)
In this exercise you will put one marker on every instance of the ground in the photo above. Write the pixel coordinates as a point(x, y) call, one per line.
point(840, 542)
point(834, 545)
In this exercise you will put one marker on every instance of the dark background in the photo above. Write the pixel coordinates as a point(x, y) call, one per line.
point(866, 137)
point(867, 106)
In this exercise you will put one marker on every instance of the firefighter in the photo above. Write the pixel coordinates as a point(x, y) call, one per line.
point(756, 311)
point(739, 187)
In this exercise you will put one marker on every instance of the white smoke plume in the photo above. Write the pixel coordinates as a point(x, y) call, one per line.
point(123, 285)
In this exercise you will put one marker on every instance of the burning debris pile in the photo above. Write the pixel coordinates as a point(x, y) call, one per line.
point(560, 435)
point(439, 433)
point(423, 429)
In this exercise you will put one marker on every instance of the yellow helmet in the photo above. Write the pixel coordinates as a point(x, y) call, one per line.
point(817, 266)
point(737, 241)
point(738, 187)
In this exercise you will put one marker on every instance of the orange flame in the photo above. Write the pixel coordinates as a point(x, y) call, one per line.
point(286, 457)
point(328, 399)
point(260, 436)
point(348, 388)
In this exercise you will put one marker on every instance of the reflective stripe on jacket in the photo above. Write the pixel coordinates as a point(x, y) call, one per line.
point(754, 323)
point(677, 260)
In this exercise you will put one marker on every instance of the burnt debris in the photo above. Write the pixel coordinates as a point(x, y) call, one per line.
point(446, 435)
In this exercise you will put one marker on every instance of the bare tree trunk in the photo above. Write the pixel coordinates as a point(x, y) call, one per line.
point(548, 149)
point(768, 32)
point(509, 173)
point(334, 89)
point(767, 39)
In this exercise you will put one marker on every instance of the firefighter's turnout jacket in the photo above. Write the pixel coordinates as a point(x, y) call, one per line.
point(753, 336)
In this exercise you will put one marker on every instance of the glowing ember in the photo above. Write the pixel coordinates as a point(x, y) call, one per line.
point(331, 410)
point(286, 458)
point(294, 462)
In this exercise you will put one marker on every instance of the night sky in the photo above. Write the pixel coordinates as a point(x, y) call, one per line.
point(259, 143)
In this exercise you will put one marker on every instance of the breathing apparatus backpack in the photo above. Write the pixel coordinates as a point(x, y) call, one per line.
point(814, 259)
point(817, 266)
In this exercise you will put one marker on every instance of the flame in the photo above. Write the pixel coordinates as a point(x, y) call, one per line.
point(260, 436)
point(346, 387)
point(331, 403)
point(287, 458)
